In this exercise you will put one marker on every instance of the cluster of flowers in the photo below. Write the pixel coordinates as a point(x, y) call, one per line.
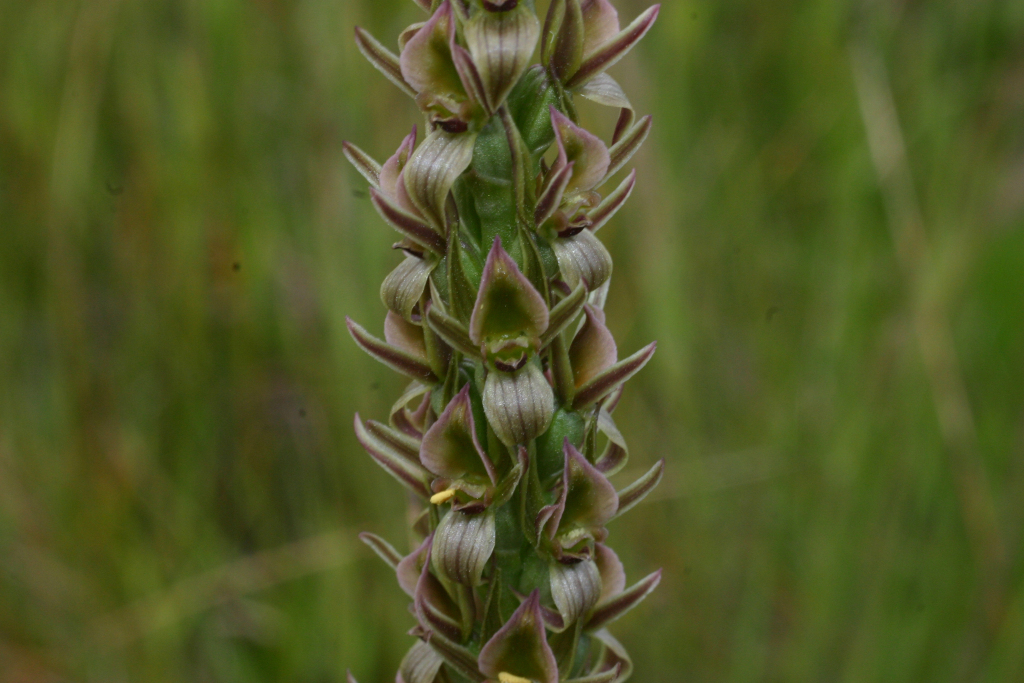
point(505, 436)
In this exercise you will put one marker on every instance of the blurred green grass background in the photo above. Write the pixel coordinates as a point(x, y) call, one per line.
point(839, 387)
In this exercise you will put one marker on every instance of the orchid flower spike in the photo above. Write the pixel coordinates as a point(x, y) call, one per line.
point(494, 313)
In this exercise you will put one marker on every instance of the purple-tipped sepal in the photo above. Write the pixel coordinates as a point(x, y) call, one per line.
point(508, 308)
point(520, 648)
point(615, 606)
point(610, 50)
point(395, 358)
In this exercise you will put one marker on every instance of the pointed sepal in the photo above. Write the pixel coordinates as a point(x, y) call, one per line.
point(564, 312)
point(618, 605)
point(367, 166)
point(624, 149)
point(383, 60)
point(613, 50)
point(630, 496)
point(604, 211)
point(507, 305)
point(411, 226)
point(391, 172)
point(456, 656)
point(395, 358)
point(601, 385)
point(384, 550)
point(410, 474)
point(452, 331)
point(551, 198)
point(520, 648)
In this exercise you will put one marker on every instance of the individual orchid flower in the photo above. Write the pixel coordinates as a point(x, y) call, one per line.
point(583, 39)
point(586, 501)
point(460, 86)
point(431, 63)
point(403, 288)
point(582, 163)
point(451, 450)
point(508, 321)
point(466, 478)
point(520, 651)
point(593, 591)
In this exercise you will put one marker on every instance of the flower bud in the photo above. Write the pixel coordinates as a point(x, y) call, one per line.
point(501, 41)
point(463, 544)
point(420, 664)
point(582, 258)
point(519, 406)
point(575, 588)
